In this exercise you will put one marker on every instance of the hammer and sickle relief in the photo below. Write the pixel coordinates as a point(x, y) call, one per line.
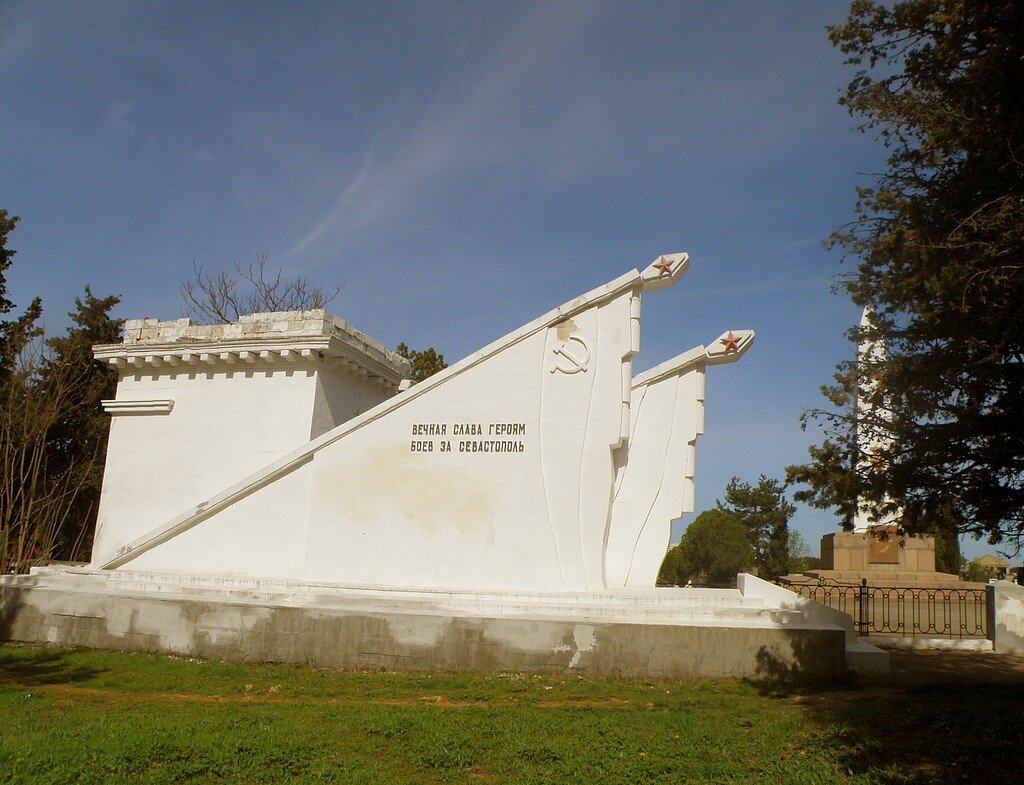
point(571, 360)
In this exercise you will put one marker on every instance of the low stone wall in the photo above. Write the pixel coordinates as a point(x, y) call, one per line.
point(395, 640)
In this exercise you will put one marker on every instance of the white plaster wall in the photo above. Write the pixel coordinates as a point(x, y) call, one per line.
point(340, 397)
point(387, 511)
point(383, 513)
point(390, 506)
point(223, 427)
point(584, 417)
point(1008, 627)
point(262, 535)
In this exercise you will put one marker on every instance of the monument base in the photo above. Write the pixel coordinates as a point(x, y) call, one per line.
point(666, 633)
point(883, 557)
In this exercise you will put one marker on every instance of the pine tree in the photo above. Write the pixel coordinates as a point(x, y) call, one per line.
point(939, 244)
point(424, 364)
point(15, 334)
point(764, 512)
point(77, 442)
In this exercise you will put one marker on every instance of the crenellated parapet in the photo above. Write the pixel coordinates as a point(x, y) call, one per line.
point(261, 342)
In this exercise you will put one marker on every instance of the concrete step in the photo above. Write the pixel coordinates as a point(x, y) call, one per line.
point(656, 606)
point(215, 585)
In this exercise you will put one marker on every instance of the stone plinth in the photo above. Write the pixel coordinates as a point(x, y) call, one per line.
point(881, 555)
point(756, 630)
point(881, 549)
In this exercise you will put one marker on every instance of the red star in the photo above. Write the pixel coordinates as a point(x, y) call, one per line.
point(664, 267)
point(730, 342)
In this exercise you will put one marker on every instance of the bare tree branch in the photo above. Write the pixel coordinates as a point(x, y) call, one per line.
point(217, 298)
point(37, 498)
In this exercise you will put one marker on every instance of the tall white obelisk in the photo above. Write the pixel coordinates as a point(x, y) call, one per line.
point(869, 439)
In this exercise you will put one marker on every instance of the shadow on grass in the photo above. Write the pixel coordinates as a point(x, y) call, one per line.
point(931, 666)
point(934, 733)
point(937, 717)
point(32, 667)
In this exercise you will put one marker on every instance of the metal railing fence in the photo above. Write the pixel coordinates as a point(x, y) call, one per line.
point(907, 611)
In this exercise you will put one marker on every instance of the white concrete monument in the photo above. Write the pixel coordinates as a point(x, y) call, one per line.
point(274, 489)
point(539, 463)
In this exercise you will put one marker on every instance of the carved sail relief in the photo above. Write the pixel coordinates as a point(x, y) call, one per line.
point(580, 414)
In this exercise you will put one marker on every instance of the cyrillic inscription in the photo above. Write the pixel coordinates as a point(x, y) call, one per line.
point(481, 445)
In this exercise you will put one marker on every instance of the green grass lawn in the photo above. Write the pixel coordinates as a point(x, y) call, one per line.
point(84, 716)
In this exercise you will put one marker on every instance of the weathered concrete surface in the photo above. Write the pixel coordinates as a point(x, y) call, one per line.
point(861, 656)
point(1008, 630)
point(396, 640)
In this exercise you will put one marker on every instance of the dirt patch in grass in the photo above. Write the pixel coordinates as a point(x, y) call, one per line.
point(67, 693)
point(827, 697)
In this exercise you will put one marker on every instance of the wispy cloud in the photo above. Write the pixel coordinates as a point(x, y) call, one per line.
point(344, 208)
point(450, 135)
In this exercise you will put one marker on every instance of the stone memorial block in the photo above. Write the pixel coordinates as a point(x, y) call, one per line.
point(537, 463)
point(654, 482)
point(275, 489)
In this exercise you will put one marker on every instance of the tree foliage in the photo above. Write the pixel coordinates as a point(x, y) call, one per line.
point(764, 512)
point(799, 556)
point(947, 553)
point(424, 363)
point(939, 243)
point(38, 488)
point(713, 549)
point(77, 439)
point(53, 432)
point(15, 334)
point(947, 540)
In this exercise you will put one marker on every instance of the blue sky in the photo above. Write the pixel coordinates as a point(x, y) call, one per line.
point(460, 168)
